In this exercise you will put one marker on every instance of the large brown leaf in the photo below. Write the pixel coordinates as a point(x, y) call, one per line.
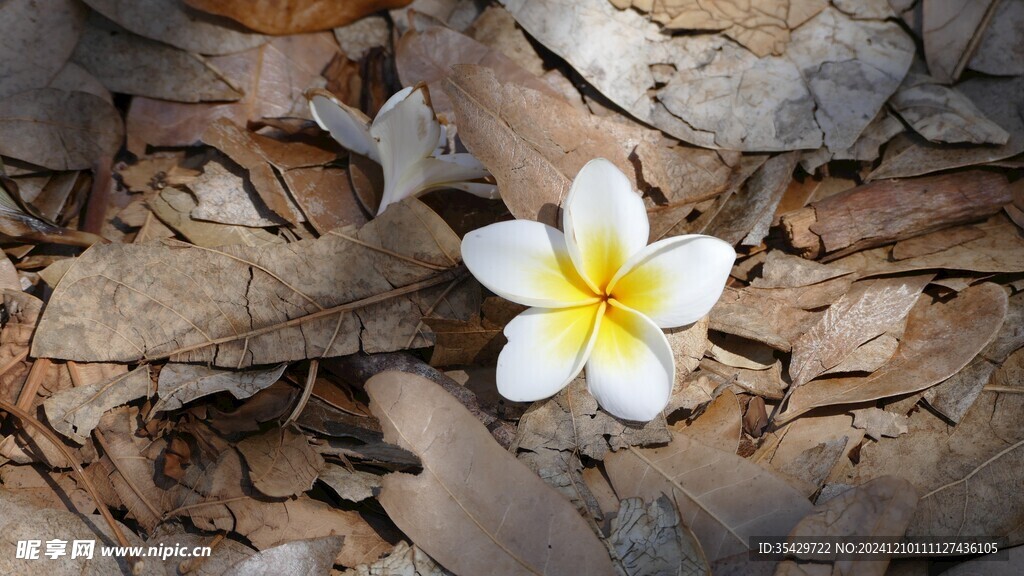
point(35, 42)
point(497, 516)
point(281, 462)
point(939, 340)
point(294, 16)
point(237, 306)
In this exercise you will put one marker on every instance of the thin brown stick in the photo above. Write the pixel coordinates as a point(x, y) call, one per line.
point(14, 361)
point(33, 383)
point(307, 391)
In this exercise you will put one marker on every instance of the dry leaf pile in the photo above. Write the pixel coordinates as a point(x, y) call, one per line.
point(206, 338)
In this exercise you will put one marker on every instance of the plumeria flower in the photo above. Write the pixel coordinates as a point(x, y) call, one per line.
point(405, 139)
point(600, 295)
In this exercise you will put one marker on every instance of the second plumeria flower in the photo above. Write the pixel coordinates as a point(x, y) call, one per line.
point(405, 139)
point(600, 295)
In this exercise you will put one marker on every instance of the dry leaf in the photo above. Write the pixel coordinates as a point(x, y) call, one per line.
point(35, 43)
point(175, 207)
point(1000, 52)
point(719, 426)
point(746, 216)
point(325, 196)
point(929, 352)
point(315, 556)
point(783, 270)
point(499, 517)
point(757, 317)
point(174, 23)
point(226, 198)
point(363, 35)
point(403, 560)
point(75, 412)
point(351, 485)
point(948, 27)
point(834, 77)
point(59, 130)
point(740, 352)
point(863, 313)
point(649, 540)
point(754, 502)
point(180, 384)
point(1008, 562)
point(496, 28)
point(238, 306)
point(877, 423)
point(942, 114)
point(766, 383)
point(813, 448)
point(880, 508)
point(281, 462)
point(868, 357)
point(125, 62)
point(935, 242)
point(293, 17)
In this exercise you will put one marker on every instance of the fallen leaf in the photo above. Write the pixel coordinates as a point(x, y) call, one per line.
point(1000, 53)
point(880, 508)
point(223, 555)
point(929, 351)
point(36, 43)
point(226, 198)
point(719, 426)
point(811, 449)
point(783, 270)
point(740, 352)
point(75, 412)
point(935, 242)
point(649, 540)
point(44, 489)
point(1010, 562)
point(238, 306)
point(59, 130)
point(294, 17)
point(281, 462)
point(863, 313)
point(942, 114)
point(363, 35)
point(877, 423)
point(176, 24)
point(948, 28)
point(403, 559)
point(125, 62)
point(314, 556)
point(325, 196)
point(766, 383)
point(760, 318)
point(868, 357)
point(746, 216)
point(351, 485)
point(491, 504)
point(496, 28)
point(175, 207)
point(180, 384)
point(723, 517)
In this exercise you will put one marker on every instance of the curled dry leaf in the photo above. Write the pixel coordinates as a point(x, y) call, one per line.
point(930, 351)
point(238, 306)
point(755, 502)
point(294, 16)
point(75, 412)
point(281, 462)
point(745, 217)
point(59, 130)
point(35, 43)
point(180, 384)
point(649, 540)
point(499, 516)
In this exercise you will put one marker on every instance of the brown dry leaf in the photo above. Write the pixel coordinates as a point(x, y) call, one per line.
point(58, 490)
point(175, 207)
point(174, 23)
point(877, 423)
point(868, 357)
point(943, 114)
point(428, 56)
point(281, 462)
point(274, 78)
point(948, 28)
point(723, 516)
point(351, 485)
point(1000, 52)
point(649, 540)
point(496, 28)
point(810, 297)
point(811, 449)
point(929, 352)
point(23, 311)
point(403, 559)
point(758, 317)
point(314, 556)
point(75, 412)
point(35, 43)
point(73, 77)
point(740, 352)
point(224, 554)
point(879, 508)
point(59, 130)
point(131, 64)
point(719, 426)
point(863, 313)
point(499, 517)
point(180, 384)
point(238, 306)
point(325, 196)
point(363, 35)
point(280, 17)
point(17, 223)
point(935, 242)
point(835, 76)
point(226, 198)
point(1006, 562)
point(765, 383)
point(783, 270)
point(745, 217)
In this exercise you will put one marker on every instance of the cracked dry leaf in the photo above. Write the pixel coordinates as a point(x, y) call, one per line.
point(59, 130)
point(403, 560)
point(174, 208)
point(835, 76)
point(131, 64)
point(281, 462)
point(722, 516)
point(649, 540)
point(238, 306)
point(499, 517)
point(943, 114)
point(863, 313)
point(75, 412)
point(36, 43)
point(180, 384)
point(880, 508)
point(929, 352)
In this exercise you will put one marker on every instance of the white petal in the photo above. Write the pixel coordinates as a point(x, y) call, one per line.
point(394, 100)
point(349, 126)
point(630, 370)
point(431, 174)
point(675, 281)
point(605, 221)
point(546, 349)
point(525, 262)
point(406, 131)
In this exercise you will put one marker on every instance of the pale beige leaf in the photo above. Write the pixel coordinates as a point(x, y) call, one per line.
point(35, 43)
point(929, 352)
point(174, 23)
point(1003, 563)
point(746, 216)
point(498, 29)
point(75, 412)
point(868, 357)
point(943, 114)
point(180, 384)
point(59, 130)
point(225, 554)
point(351, 485)
point(238, 306)
point(740, 352)
point(1001, 52)
point(649, 540)
point(499, 517)
point(948, 29)
point(783, 270)
point(812, 448)
point(404, 560)
point(361, 36)
point(719, 426)
point(315, 556)
point(297, 16)
point(174, 207)
point(863, 313)
point(760, 318)
point(767, 383)
point(877, 423)
point(224, 197)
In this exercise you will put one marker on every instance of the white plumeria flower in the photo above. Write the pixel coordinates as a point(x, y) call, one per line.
point(600, 295)
point(404, 139)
